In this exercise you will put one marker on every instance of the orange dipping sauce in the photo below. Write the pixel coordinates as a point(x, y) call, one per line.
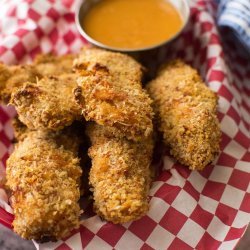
point(132, 24)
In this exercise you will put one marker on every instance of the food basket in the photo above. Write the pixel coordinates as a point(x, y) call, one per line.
point(188, 209)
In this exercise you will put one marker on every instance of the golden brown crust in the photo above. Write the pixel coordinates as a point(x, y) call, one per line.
point(70, 137)
point(48, 103)
point(120, 66)
point(51, 65)
point(20, 130)
point(110, 93)
point(12, 77)
point(120, 175)
point(43, 176)
point(186, 114)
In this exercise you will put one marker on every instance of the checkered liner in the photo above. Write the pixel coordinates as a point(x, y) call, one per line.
point(201, 210)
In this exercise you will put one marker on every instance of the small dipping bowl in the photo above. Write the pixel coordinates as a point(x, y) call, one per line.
point(180, 5)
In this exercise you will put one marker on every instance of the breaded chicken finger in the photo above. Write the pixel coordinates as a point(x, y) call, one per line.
point(120, 175)
point(48, 103)
point(42, 92)
point(43, 175)
point(186, 114)
point(45, 65)
point(110, 93)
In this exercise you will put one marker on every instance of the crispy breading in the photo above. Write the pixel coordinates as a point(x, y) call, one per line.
point(51, 65)
point(186, 114)
point(43, 175)
point(20, 130)
point(32, 81)
point(12, 77)
point(120, 175)
point(121, 66)
point(110, 93)
point(47, 104)
point(70, 137)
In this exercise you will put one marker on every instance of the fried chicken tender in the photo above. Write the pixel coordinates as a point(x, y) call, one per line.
point(47, 104)
point(48, 84)
point(43, 174)
point(110, 93)
point(12, 77)
point(120, 175)
point(186, 114)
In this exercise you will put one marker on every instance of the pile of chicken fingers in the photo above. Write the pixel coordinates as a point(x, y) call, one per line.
point(97, 97)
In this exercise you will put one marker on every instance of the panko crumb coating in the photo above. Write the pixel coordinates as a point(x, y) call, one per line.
point(70, 137)
point(52, 65)
point(47, 104)
point(110, 93)
point(44, 177)
point(12, 77)
point(186, 114)
point(20, 130)
point(120, 175)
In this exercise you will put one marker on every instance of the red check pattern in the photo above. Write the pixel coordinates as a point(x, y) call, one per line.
point(188, 210)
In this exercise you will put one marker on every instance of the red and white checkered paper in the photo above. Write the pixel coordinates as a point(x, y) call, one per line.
point(201, 210)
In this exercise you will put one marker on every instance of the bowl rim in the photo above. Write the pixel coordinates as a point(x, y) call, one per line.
point(104, 46)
